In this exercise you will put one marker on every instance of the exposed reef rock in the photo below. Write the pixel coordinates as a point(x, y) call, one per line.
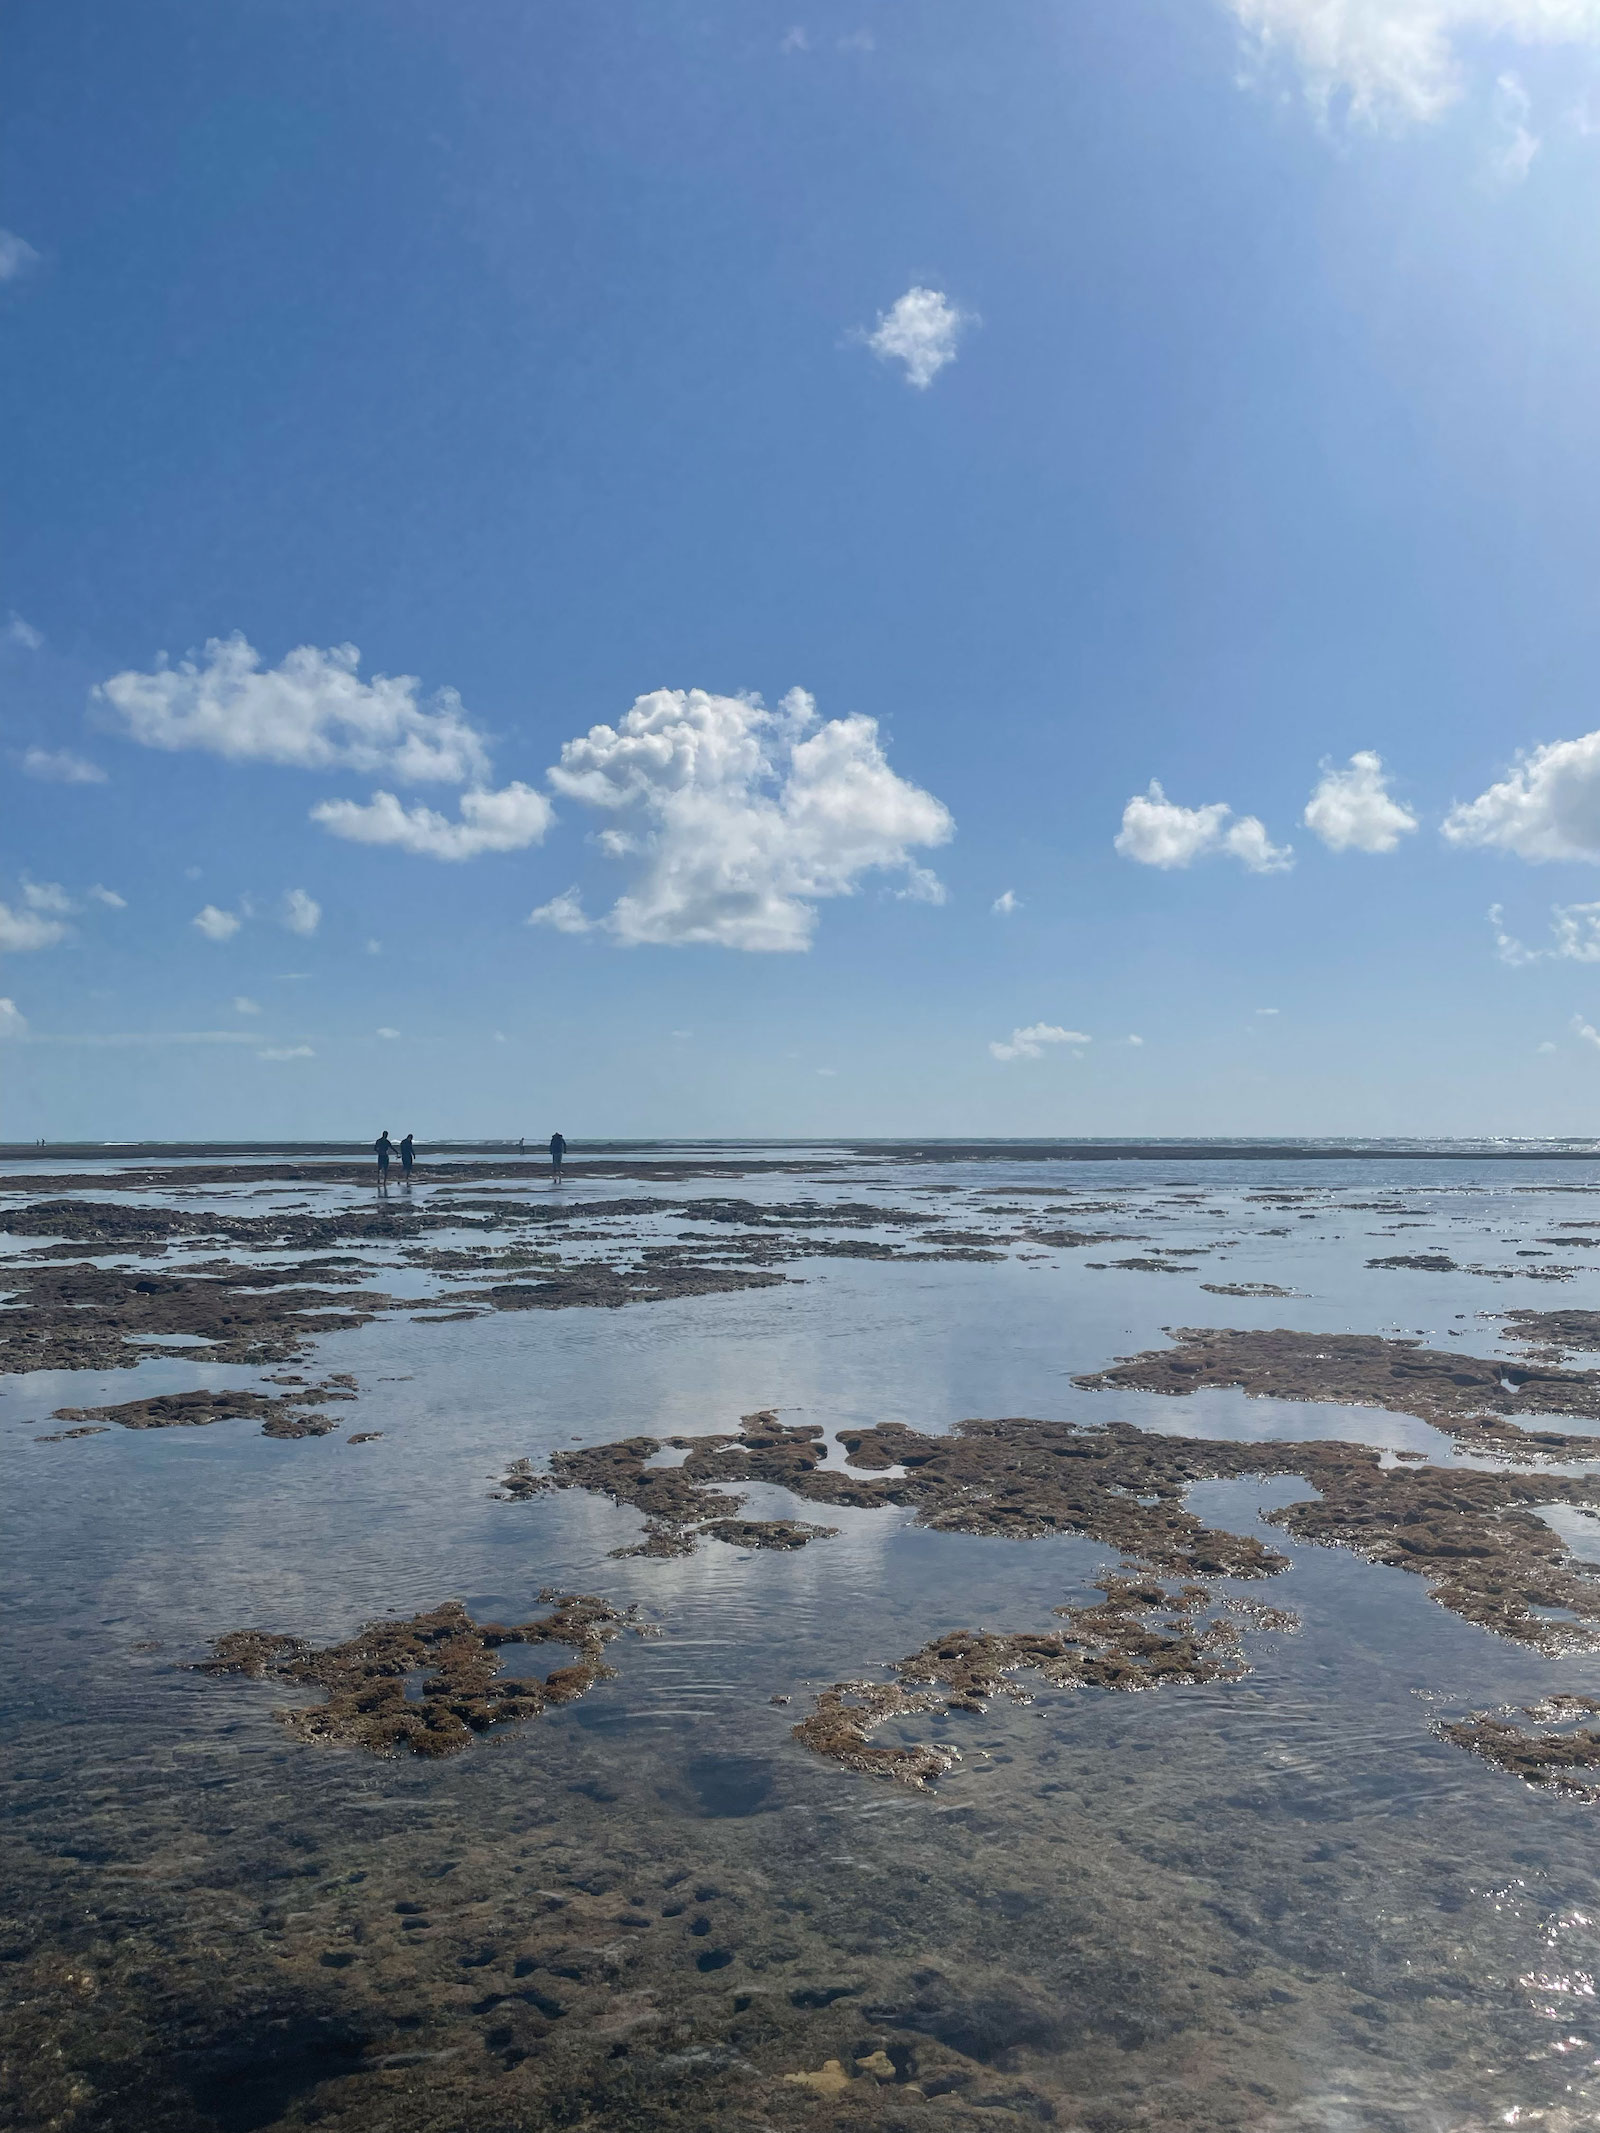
point(1539, 1758)
point(1245, 1288)
point(780, 1533)
point(1468, 1397)
point(280, 1415)
point(99, 1318)
point(463, 1690)
point(596, 1285)
point(1550, 1335)
point(1110, 1645)
point(1473, 1534)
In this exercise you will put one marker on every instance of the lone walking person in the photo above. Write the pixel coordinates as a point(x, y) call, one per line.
point(407, 1158)
point(383, 1148)
point(558, 1149)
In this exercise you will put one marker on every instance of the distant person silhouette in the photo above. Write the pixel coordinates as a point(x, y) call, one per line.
point(558, 1149)
point(383, 1148)
point(408, 1156)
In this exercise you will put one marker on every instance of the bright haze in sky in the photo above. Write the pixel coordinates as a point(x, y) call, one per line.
point(839, 569)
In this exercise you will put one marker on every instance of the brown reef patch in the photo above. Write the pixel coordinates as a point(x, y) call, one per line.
point(1108, 1645)
point(1245, 1288)
point(1545, 1757)
point(463, 1690)
point(1551, 1335)
point(780, 1533)
point(280, 1415)
point(1470, 1398)
point(1474, 1535)
point(97, 1318)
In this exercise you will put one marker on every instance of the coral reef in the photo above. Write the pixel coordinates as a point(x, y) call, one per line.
point(1540, 1758)
point(1474, 1534)
point(1471, 1398)
point(463, 1690)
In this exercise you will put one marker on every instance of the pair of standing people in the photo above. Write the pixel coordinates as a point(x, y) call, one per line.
point(383, 1148)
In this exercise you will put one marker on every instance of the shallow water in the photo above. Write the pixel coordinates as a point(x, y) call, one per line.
point(1279, 1902)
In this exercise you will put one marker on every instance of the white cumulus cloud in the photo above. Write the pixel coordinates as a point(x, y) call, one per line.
point(1157, 832)
point(1587, 1031)
point(312, 712)
point(301, 913)
point(21, 931)
point(740, 819)
point(216, 925)
point(504, 821)
point(59, 766)
point(1398, 62)
point(1029, 1043)
point(922, 331)
point(1546, 807)
point(13, 1023)
point(1351, 810)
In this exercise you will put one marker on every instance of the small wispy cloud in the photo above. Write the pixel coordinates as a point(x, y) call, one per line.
point(13, 1023)
point(17, 256)
point(215, 924)
point(563, 913)
point(795, 39)
point(243, 1006)
point(301, 913)
point(1576, 928)
point(287, 1051)
point(59, 766)
point(116, 1039)
point(1518, 144)
point(23, 931)
point(1133, 1040)
point(109, 897)
point(386, 1032)
point(19, 632)
point(1587, 1031)
point(1030, 1043)
point(48, 896)
point(921, 330)
point(1005, 903)
point(922, 886)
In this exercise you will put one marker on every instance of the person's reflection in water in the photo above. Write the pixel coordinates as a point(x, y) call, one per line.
point(558, 1149)
point(407, 1158)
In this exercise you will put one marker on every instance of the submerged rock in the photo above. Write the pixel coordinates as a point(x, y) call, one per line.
point(1110, 1645)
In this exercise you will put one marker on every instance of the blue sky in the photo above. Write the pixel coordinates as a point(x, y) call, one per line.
point(1058, 398)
